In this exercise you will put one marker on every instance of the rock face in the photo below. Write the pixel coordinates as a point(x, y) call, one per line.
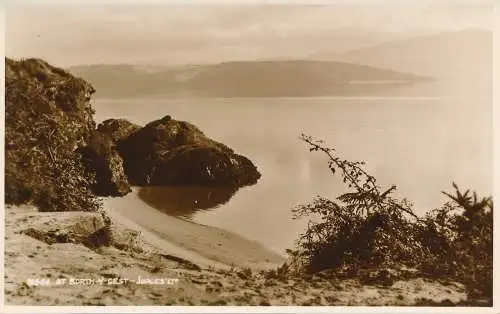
point(203, 165)
point(171, 152)
point(101, 158)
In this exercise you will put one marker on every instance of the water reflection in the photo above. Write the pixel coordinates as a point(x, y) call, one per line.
point(184, 201)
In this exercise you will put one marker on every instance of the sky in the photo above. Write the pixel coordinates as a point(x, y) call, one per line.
point(69, 35)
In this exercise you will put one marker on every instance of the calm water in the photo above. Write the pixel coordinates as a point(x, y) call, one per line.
point(419, 144)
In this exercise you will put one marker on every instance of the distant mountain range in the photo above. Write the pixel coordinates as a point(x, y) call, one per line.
point(439, 55)
point(454, 62)
point(242, 79)
point(458, 60)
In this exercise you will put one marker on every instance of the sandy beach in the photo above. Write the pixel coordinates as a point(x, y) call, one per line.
point(203, 245)
point(48, 261)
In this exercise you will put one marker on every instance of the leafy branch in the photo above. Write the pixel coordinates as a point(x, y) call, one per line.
point(368, 196)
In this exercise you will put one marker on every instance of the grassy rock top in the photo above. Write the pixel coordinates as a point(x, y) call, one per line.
point(50, 84)
point(167, 133)
point(117, 129)
point(47, 116)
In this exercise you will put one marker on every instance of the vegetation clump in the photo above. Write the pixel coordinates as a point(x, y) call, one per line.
point(367, 227)
point(47, 117)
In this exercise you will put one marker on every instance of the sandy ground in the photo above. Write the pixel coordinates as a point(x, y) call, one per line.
point(132, 270)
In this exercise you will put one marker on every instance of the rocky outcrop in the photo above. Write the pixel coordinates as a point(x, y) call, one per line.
point(164, 152)
point(101, 158)
point(171, 152)
point(50, 127)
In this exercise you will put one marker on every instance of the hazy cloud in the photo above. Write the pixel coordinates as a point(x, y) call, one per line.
point(70, 34)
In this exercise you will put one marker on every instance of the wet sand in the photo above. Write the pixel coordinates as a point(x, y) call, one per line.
point(200, 244)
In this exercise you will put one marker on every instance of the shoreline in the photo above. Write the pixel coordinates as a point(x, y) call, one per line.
point(201, 244)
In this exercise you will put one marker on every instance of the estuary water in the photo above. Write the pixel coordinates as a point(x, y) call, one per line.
point(420, 144)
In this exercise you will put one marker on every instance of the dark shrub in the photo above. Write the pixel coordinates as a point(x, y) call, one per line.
point(367, 227)
point(459, 237)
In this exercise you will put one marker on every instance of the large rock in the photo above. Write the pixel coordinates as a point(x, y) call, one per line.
point(171, 152)
point(101, 157)
point(91, 229)
point(86, 228)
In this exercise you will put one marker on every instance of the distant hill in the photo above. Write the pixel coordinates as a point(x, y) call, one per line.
point(461, 59)
point(243, 79)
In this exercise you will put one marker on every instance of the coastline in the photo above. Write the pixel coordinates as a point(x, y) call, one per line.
point(203, 245)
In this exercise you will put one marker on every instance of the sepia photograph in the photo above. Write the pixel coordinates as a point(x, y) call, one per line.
point(238, 155)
